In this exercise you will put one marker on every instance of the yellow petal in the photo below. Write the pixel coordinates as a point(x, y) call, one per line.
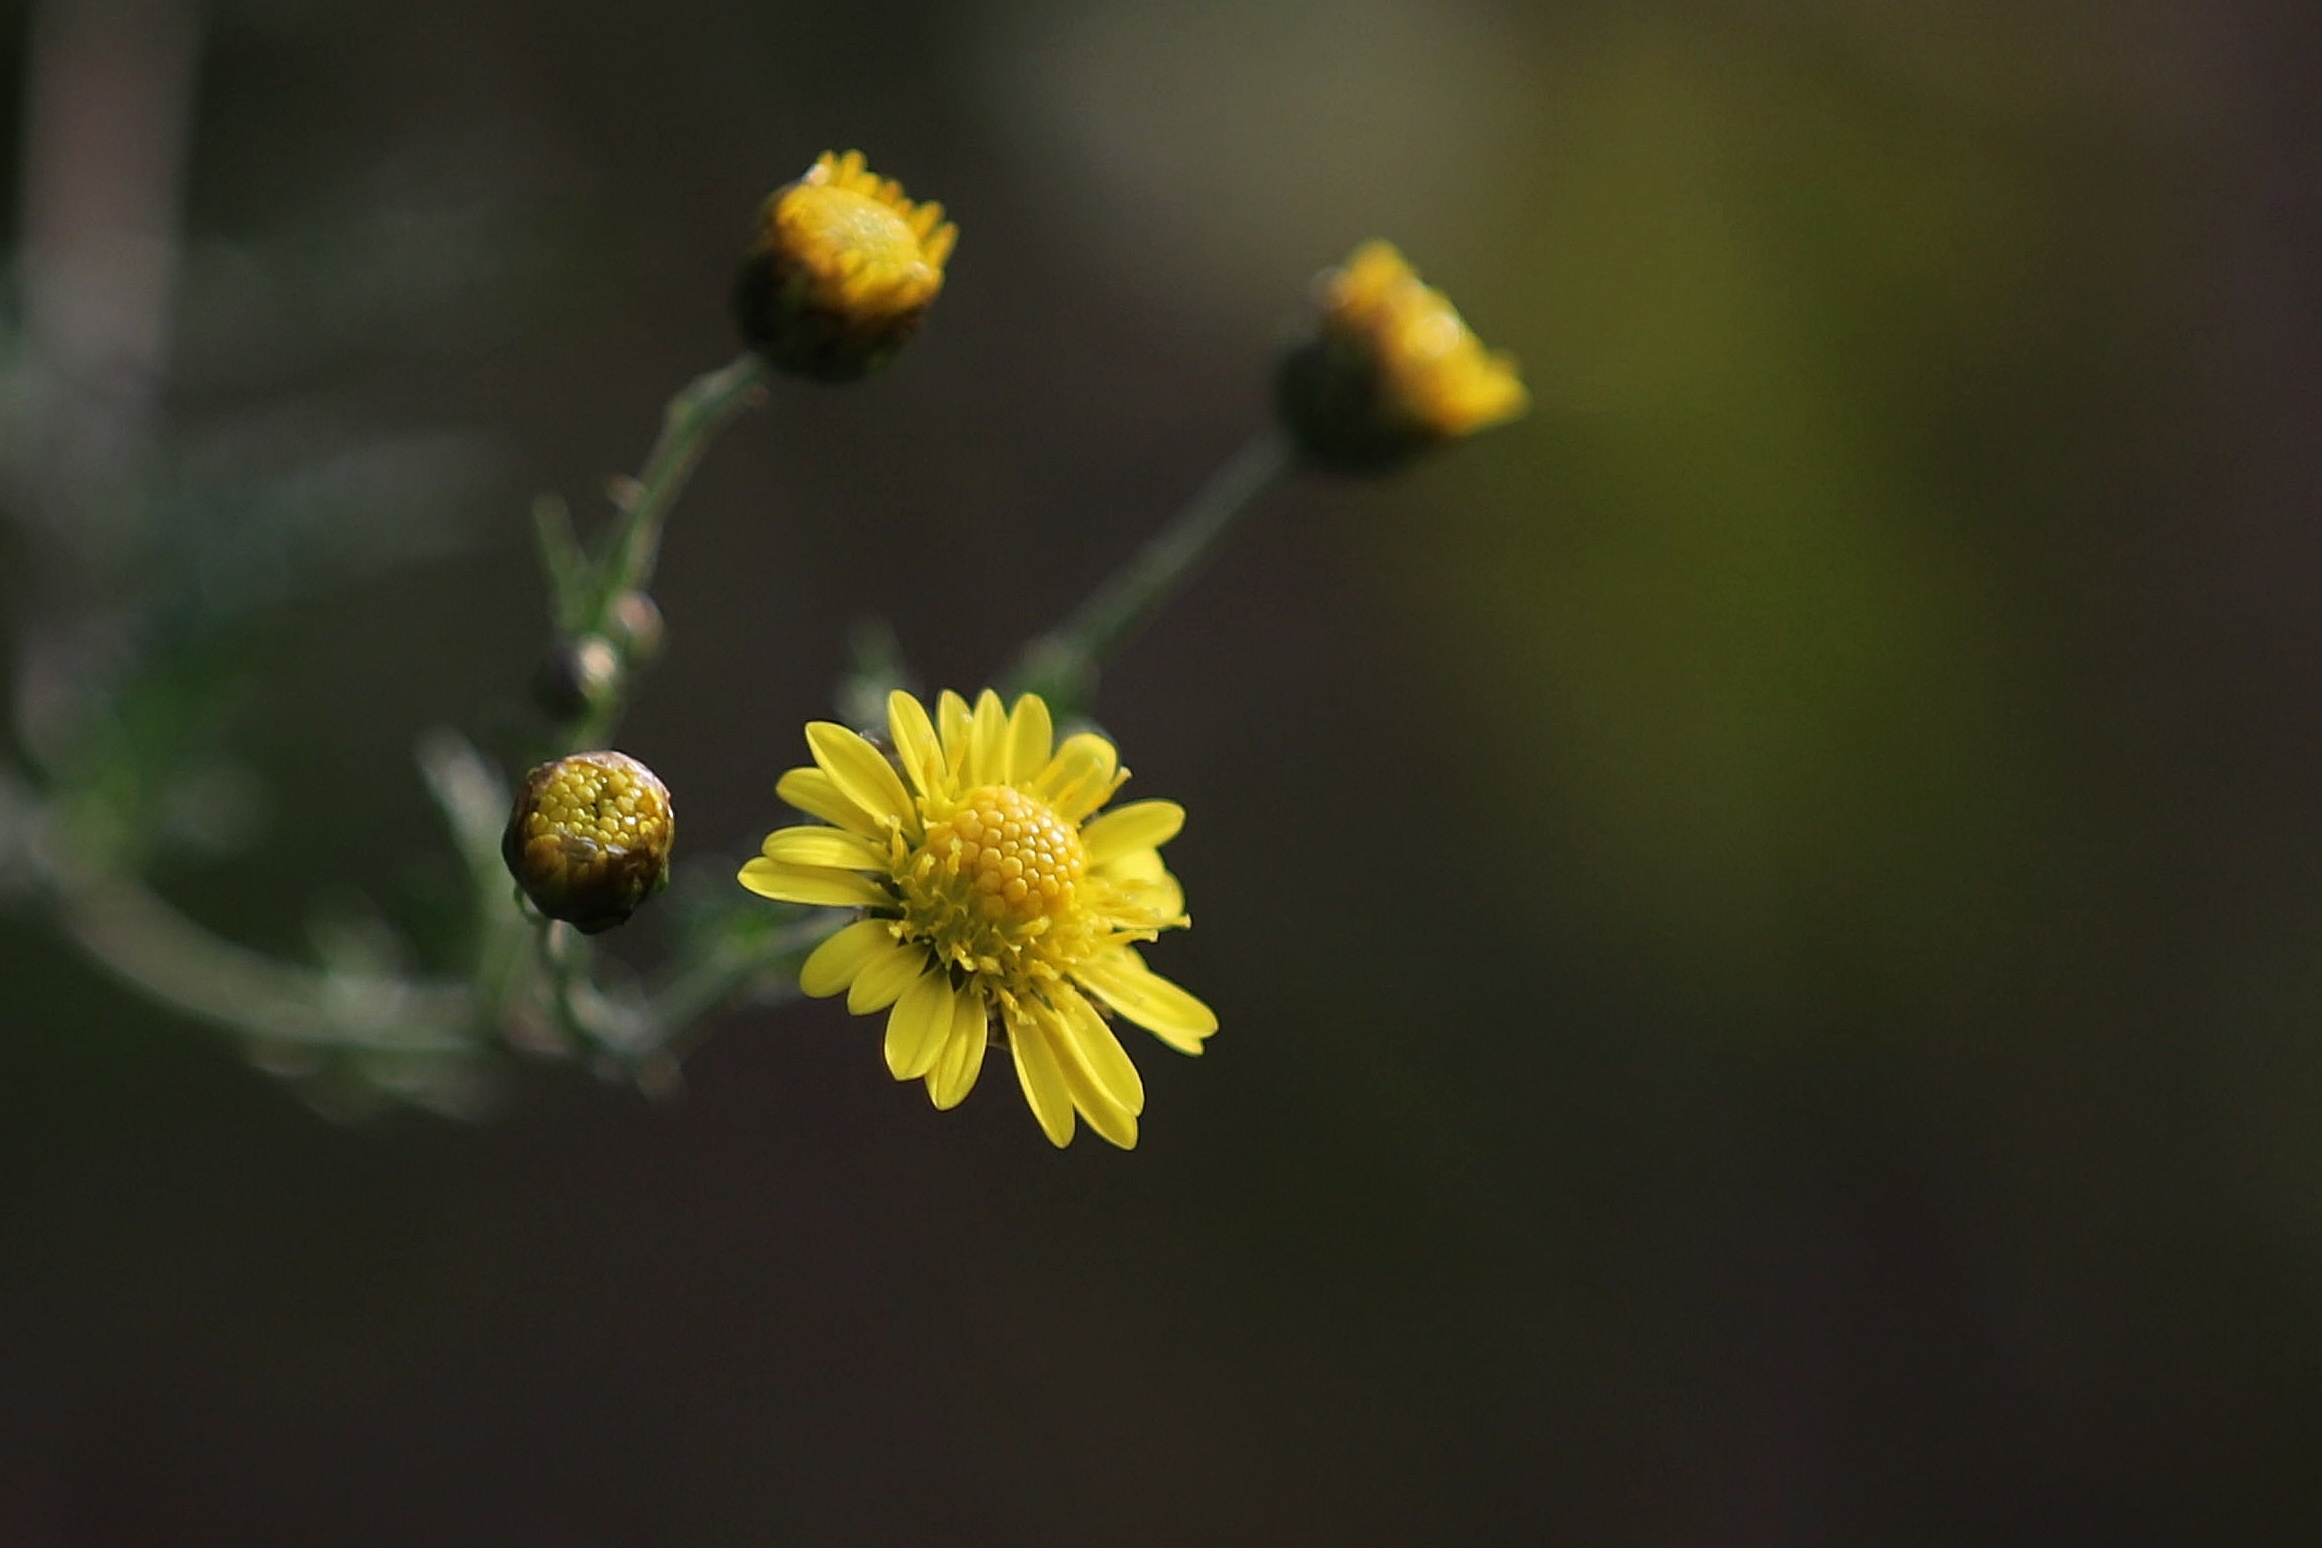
point(918, 1026)
point(1090, 1099)
point(1138, 825)
point(951, 713)
point(1162, 901)
point(915, 741)
point(1084, 763)
point(1122, 980)
point(988, 742)
point(811, 884)
point(1076, 804)
point(1144, 888)
point(884, 978)
point(1042, 1078)
point(1143, 878)
point(861, 773)
point(1030, 736)
point(1096, 1050)
point(818, 795)
point(954, 1075)
point(1115, 1124)
point(831, 848)
point(1130, 865)
point(834, 964)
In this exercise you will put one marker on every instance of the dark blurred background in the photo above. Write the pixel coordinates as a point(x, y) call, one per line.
point(1766, 918)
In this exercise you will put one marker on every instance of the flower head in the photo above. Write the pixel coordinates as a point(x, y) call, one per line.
point(840, 269)
point(1389, 369)
point(999, 908)
point(589, 839)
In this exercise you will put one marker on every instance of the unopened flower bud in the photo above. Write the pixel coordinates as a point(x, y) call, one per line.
point(576, 676)
point(590, 837)
point(841, 268)
point(1388, 369)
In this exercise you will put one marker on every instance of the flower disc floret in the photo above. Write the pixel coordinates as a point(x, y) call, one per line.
point(995, 874)
point(999, 908)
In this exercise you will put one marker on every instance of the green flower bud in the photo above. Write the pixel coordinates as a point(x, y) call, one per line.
point(590, 837)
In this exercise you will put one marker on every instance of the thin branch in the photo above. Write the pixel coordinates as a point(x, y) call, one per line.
point(1062, 664)
point(702, 408)
point(681, 1010)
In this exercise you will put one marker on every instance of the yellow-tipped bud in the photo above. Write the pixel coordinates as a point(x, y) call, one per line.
point(1389, 369)
point(590, 837)
point(841, 267)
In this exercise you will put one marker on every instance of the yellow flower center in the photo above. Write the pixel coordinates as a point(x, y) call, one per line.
point(844, 234)
point(996, 886)
point(598, 802)
point(1019, 859)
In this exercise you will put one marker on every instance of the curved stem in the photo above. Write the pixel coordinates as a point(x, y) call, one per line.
point(702, 408)
point(147, 943)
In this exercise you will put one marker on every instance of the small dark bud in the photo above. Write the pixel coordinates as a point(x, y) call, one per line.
point(577, 676)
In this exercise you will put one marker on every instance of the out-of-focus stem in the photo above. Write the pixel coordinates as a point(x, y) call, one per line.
point(109, 100)
point(145, 942)
point(702, 408)
point(1062, 664)
point(681, 1011)
point(108, 104)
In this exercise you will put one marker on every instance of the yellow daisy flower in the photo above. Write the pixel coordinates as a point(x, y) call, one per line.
point(841, 268)
point(999, 908)
point(1391, 368)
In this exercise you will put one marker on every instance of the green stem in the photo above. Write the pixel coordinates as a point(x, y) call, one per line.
point(676, 1020)
point(683, 1008)
point(702, 408)
point(1062, 664)
point(124, 925)
point(147, 943)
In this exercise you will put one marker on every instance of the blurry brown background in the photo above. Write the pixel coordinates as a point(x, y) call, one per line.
point(1766, 919)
